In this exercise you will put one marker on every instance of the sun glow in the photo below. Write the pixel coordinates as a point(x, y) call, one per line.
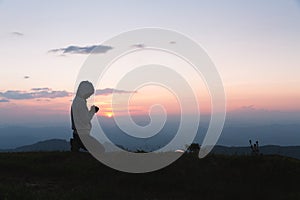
point(109, 114)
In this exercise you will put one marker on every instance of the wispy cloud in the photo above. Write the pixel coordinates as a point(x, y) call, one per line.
point(108, 91)
point(248, 107)
point(41, 89)
point(4, 100)
point(82, 50)
point(16, 33)
point(139, 45)
point(34, 93)
point(48, 93)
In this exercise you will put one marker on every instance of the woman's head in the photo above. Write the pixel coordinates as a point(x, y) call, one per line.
point(85, 89)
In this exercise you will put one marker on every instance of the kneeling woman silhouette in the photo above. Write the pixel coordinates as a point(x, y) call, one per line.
point(81, 119)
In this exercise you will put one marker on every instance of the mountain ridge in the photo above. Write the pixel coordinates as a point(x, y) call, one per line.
point(64, 145)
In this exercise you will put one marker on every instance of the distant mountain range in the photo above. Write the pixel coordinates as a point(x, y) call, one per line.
point(47, 145)
point(63, 145)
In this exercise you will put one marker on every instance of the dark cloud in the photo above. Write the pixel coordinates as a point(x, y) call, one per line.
point(48, 93)
point(34, 93)
point(26, 77)
point(4, 100)
point(108, 91)
point(41, 89)
point(139, 45)
point(172, 42)
point(83, 50)
point(248, 107)
point(16, 33)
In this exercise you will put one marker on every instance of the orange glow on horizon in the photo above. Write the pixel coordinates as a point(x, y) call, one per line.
point(256, 96)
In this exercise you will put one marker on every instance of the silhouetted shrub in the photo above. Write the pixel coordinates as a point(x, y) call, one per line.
point(193, 148)
point(254, 148)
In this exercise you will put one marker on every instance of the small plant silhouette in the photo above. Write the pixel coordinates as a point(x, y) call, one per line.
point(254, 148)
point(140, 151)
point(194, 148)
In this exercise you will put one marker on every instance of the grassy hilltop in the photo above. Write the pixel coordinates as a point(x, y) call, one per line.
point(63, 175)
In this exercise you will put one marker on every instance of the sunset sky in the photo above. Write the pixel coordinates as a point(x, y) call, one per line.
point(255, 46)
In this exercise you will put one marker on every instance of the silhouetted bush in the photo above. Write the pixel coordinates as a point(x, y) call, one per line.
point(254, 148)
point(193, 148)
